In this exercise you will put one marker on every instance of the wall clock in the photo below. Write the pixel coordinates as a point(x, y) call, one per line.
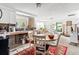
point(0, 13)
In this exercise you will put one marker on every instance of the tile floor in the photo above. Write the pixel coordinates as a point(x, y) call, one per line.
point(72, 50)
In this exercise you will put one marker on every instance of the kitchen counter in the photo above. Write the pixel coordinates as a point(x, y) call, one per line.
point(15, 33)
point(20, 48)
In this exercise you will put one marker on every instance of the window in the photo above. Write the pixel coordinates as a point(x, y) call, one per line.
point(40, 25)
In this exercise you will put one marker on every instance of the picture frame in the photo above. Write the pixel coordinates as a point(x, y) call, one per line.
point(1, 13)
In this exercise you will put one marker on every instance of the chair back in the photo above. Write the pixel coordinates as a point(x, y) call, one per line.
point(40, 43)
point(58, 49)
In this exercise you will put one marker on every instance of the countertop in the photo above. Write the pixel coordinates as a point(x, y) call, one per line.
point(14, 33)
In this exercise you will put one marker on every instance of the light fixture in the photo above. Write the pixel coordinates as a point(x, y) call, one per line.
point(38, 5)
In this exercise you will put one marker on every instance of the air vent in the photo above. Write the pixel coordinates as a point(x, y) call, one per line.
point(72, 15)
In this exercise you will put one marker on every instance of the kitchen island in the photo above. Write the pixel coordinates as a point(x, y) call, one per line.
point(17, 39)
point(25, 49)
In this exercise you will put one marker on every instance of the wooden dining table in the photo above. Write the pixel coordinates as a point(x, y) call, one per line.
point(49, 41)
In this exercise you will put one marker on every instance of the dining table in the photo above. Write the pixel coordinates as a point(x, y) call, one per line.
point(52, 42)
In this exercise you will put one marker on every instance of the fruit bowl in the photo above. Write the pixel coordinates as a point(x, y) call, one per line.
point(51, 37)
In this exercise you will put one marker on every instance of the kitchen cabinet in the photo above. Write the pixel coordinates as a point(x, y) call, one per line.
point(5, 15)
point(8, 15)
point(12, 17)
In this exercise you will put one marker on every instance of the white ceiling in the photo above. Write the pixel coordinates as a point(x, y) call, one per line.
point(47, 10)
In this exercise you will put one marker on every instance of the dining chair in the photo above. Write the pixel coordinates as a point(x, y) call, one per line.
point(59, 49)
point(40, 44)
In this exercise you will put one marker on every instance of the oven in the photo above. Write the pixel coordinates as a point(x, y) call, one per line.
point(4, 49)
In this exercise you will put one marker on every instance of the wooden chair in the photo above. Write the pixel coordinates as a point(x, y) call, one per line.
point(40, 44)
point(58, 49)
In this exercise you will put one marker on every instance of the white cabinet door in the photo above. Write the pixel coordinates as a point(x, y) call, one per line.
point(5, 15)
point(8, 15)
point(12, 17)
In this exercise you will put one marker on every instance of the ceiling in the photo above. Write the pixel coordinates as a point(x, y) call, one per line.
point(47, 10)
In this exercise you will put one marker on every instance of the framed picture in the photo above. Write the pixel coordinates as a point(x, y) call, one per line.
point(0, 13)
point(59, 26)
